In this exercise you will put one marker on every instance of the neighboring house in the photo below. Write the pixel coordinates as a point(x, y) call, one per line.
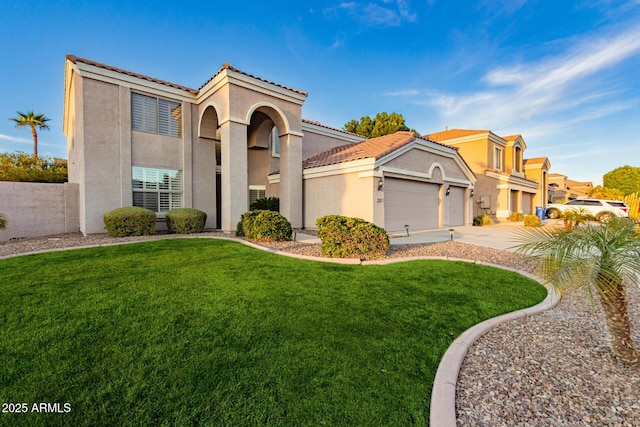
point(506, 182)
point(137, 140)
point(562, 189)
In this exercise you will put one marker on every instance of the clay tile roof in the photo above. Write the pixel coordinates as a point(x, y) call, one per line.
point(226, 66)
point(313, 122)
point(511, 137)
point(535, 161)
point(371, 148)
point(454, 133)
point(76, 59)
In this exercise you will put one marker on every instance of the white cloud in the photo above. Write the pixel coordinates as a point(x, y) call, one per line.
point(387, 13)
point(14, 139)
point(553, 85)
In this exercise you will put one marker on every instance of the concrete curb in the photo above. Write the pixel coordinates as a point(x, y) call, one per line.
point(443, 394)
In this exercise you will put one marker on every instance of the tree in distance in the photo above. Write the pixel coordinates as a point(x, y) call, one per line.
point(625, 178)
point(382, 124)
point(34, 121)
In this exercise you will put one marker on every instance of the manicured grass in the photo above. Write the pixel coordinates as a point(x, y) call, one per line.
point(208, 332)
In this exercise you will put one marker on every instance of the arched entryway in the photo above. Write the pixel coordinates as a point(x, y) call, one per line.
point(209, 130)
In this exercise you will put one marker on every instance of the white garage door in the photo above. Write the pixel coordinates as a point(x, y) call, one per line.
point(410, 203)
point(456, 206)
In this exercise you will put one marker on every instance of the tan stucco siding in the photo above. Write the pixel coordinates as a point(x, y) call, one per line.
point(344, 194)
point(313, 143)
point(158, 151)
point(245, 99)
point(421, 161)
point(102, 162)
point(203, 172)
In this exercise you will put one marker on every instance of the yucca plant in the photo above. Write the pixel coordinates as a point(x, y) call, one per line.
point(631, 200)
point(602, 258)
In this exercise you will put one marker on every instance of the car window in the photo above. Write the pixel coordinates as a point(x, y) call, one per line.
point(618, 204)
point(576, 203)
point(592, 203)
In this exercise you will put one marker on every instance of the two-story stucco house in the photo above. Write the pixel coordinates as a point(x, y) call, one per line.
point(137, 140)
point(506, 182)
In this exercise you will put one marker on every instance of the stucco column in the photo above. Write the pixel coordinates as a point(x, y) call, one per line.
point(291, 178)
point(234, 181)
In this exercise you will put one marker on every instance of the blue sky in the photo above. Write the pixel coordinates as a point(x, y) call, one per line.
point(564, 74)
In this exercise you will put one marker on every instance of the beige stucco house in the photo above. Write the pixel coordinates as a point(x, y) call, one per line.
point(506, 182)
point(137, 140)
point(562, 189)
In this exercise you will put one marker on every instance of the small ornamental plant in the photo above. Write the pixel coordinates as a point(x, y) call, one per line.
point(265, 226)
point(130, 221)
point(532, 221)
point(346, 237)
point(185, 220)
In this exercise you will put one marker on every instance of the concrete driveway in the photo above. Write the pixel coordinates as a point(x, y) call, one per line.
point(495, 236)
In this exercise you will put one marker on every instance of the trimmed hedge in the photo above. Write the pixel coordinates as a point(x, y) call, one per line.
point(516, 217)
point(482, 220)
point(130, 221)
point(346, 237)
point(186, 220)
point(265, 226)
point(532, 221)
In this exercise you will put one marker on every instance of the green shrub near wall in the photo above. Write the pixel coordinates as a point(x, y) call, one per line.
point(346, 237)
point(3, 222)
point(185, 220)
point(130, 221)
point(265, 226)
point(532, 221)
point(482, 220)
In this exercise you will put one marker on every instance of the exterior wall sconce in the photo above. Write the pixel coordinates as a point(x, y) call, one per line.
point(407, 228)
point(471, 193)
point(448, 191)
point(380, 184)
point(451, 231)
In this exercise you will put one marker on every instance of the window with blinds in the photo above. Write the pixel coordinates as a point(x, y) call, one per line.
point(159, 190)
point(156, 115)
point(257, 192)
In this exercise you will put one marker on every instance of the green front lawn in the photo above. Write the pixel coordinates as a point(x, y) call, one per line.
point(211, 332)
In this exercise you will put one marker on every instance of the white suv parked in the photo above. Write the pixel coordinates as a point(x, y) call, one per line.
point(602, 210)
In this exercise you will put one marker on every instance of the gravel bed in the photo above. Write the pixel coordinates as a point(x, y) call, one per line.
point(552, 369)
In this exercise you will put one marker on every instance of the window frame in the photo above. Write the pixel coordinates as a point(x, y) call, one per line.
point(498, 160)
point(167, 185)
point(152, 114)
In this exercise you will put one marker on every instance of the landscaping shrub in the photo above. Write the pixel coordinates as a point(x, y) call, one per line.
point(239, 226)
point(266, 226)
point(346, 237)
point(3, 222)
point(532, 221)
point(516, 217)
point(266, 204)
point(482, 220)
point(186, 220)
point(130, 221)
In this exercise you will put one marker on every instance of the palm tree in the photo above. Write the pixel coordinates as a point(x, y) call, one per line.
point(33, 121)
point(603, 258)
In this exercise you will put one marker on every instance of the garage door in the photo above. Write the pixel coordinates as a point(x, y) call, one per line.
point(456, 206)
point(526, 204)
point(410, 203)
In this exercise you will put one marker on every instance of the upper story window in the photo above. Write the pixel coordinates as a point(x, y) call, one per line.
point(156, 115)
point(497, 159)
point(275, 142)
point(518, 159)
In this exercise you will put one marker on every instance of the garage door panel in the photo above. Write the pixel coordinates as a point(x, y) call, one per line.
point(456, 206)
point(410, 203)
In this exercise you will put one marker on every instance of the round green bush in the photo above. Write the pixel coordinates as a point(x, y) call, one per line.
point(130, 221)
point(3, 222)
point(266, 226)
point(185, 220)
point(347, 237)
